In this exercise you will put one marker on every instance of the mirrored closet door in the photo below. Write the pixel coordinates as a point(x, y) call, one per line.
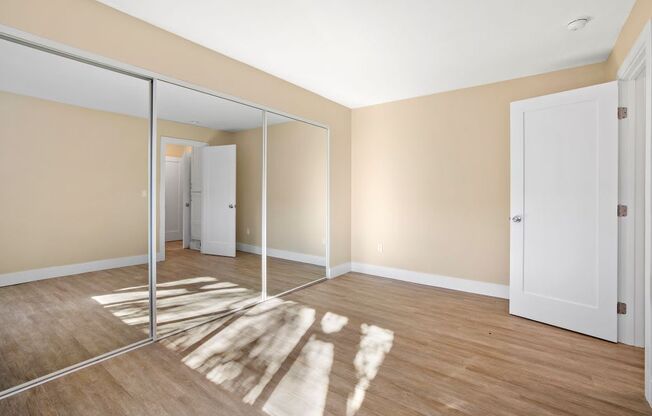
point(297, 198)
point(210, 170)
point(74, 212)
point(239, 212)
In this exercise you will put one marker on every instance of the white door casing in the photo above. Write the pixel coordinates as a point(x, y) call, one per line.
point(173, 199)
point(218, 200)
point(564, 190)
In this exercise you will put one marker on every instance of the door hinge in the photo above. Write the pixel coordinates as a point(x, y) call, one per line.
point(622, 113)
point(621, 308)
point(622, 210)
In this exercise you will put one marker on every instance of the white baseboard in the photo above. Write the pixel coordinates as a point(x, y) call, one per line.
point(283, 254)
point(339, 270)
point(69, 269)
point(447, 282)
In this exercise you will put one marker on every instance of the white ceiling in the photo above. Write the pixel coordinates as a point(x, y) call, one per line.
point(365, 52)
point(34, 73)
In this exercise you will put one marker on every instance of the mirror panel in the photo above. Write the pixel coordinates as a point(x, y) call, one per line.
point(210, 166)
point(297, 154)
point(74, 214)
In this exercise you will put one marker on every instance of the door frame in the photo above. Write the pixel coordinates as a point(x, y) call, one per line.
point(165, 140)
point(639, 59)
point(177, 160)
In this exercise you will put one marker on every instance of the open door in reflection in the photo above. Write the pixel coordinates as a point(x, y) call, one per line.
point(217, 268)
point(297, 155)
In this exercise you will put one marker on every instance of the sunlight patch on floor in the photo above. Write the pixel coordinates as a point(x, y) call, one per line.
point(332, 322)
point(179, 304)
point(247, 354)
point(303, 390)
point(116, 299)
point(375, 343)
point(244, 356)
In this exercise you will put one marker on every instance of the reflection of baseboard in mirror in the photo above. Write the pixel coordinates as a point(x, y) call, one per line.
point(25, 276)
point(32, 275)
point(284, 254)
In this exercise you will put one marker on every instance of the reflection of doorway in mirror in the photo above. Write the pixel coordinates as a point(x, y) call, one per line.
point(180, 204)
point(173, 199)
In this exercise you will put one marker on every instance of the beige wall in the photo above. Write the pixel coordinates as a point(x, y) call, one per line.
point(73, 183)
point(430, 177)
point(638, 17)
point(296, 205)
point(296, 188)
point(99, 29)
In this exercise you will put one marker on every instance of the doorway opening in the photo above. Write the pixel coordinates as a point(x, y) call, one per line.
point(179, 202)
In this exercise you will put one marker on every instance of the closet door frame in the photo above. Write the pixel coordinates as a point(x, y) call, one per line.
point(327, 231)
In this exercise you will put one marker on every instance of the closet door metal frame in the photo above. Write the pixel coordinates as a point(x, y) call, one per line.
point(264, 206)
point(36, 42)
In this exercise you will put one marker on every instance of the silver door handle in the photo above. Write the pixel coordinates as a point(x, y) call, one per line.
point(517, 218)
point(231, 206)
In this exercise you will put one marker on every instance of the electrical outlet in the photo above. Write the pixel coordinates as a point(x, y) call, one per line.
point(380, 247)
point(248, 231)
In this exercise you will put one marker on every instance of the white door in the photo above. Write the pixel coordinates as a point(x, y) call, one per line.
point(173, 197)
point(218, 200)
point(564, 196)
point(185, 200)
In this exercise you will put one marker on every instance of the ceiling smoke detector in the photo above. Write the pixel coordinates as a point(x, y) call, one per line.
point(578, 24)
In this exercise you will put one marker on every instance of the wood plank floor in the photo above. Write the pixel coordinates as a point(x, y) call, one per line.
point(358, 345)
point(51, 324)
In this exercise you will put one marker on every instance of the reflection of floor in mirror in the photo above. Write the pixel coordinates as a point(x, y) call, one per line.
point(237, 284)
point(358, 345)
point(51, 324)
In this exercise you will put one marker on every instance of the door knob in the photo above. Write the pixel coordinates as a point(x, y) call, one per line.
point(187, 204)
point(517, 218)
point(231, 205)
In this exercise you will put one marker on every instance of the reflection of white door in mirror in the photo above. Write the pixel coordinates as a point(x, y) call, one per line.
point(218, 200)
point(173, 197)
